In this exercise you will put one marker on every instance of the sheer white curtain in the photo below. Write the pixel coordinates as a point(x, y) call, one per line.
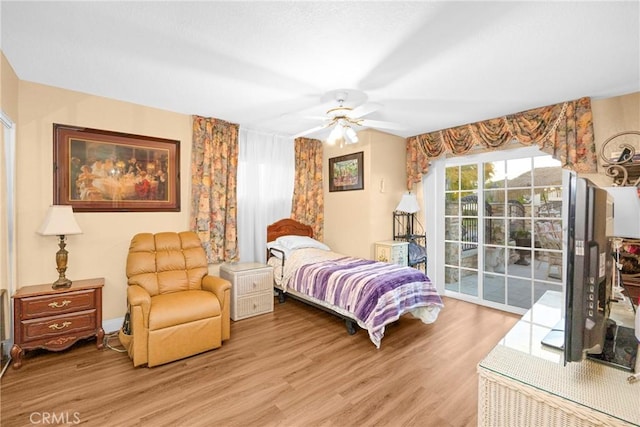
point(266, 166)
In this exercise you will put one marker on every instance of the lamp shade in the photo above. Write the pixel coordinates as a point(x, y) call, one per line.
point(408, 203)
point(59, 221)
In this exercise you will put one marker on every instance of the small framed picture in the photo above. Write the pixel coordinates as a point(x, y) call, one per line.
point(346, 172)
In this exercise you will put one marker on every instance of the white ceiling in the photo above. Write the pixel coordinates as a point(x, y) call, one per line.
point(264, 65)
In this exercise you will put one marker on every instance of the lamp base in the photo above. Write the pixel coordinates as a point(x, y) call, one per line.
point(61, 283)
point(61, 263)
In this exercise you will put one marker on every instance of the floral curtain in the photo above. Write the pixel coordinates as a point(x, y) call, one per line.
point(308, 198)
point(214, 164)
point(563, 130)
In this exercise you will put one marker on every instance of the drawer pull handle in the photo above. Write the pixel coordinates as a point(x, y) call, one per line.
point(55, 304)
point(58, 327)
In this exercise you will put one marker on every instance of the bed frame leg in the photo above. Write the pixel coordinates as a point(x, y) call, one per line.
point(351, 326)
point(281, 296)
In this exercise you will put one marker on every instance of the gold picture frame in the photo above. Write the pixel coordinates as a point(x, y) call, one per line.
point(104, 171)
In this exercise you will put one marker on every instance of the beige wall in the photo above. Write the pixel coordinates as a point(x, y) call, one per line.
point(355, 220)
point(8, 89)
point(611, 116)
point(102, 248)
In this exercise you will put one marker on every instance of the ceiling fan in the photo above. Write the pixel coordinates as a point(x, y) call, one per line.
point(348, 113)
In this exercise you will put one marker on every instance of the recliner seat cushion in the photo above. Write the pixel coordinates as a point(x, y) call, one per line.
point(181, 307)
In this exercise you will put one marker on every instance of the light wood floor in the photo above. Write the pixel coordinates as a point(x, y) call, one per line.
point(296, 366)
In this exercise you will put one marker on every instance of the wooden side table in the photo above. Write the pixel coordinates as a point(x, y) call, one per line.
point(55, 319)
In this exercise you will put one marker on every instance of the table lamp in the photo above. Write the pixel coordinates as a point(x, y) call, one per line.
point(60, 222)
point(409, 205)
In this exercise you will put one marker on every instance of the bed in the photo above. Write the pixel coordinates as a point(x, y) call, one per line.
point(365, 293)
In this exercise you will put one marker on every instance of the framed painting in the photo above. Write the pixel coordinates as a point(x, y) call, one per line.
point(346, 172)
point(104, 171)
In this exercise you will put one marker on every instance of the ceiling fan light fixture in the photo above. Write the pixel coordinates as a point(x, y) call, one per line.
point(342, 119)
point(335, 135)
point(339, 112)
point(351, 134)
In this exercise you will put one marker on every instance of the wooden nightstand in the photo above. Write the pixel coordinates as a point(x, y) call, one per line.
point(393, 252)
point(251, 288)
point(54, 319)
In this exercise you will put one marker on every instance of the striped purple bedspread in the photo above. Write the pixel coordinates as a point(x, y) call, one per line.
point(375, 293)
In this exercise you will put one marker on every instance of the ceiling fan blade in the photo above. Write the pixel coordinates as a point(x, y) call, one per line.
point(364, 109)
point(381, 124)
point(296, 116)
point(312, 130)
point(321, 118)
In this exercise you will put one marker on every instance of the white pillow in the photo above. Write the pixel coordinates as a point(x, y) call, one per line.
point(298, 242)
point(279, 247)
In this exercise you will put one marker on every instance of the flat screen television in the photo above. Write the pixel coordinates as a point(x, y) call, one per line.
point(588, 330)
point(589, 269)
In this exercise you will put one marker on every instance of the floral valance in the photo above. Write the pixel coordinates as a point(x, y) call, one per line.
point(563, 130)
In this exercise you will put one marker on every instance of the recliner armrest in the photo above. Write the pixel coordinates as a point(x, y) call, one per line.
point(222, 289)
point(138, 296)
point(217, 285)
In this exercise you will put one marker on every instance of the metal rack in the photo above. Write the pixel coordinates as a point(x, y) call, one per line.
point(621, 159)
point(407, 228)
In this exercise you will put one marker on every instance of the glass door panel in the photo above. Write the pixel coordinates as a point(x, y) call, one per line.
point(503, 230)
point(494, 289)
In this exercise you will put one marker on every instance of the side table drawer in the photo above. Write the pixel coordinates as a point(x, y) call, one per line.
point(48, 327)
point(56, 318)
point(400, 255)
point(52, 305)
point(252, 305)
point(392, 252)
point(254, 282)
point(251, 288)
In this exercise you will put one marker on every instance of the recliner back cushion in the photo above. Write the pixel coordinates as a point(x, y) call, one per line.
point(166, 262)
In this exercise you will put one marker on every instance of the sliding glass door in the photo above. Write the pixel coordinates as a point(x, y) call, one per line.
point(503, 229)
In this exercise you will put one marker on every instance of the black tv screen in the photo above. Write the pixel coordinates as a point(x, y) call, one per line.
point(589, 269)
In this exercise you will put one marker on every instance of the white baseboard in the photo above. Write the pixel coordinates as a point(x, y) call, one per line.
point(112, 325)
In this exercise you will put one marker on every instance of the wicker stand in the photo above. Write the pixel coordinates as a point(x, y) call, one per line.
point(520, 386)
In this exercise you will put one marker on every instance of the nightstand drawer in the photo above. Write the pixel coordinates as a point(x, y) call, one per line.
point(251, 288)
point(254, 281)
point(51, 305)
point(48, 327)
point(252, 305)
point(54, 319)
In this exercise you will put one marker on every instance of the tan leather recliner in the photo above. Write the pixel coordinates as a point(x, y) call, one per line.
point(177, 309)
